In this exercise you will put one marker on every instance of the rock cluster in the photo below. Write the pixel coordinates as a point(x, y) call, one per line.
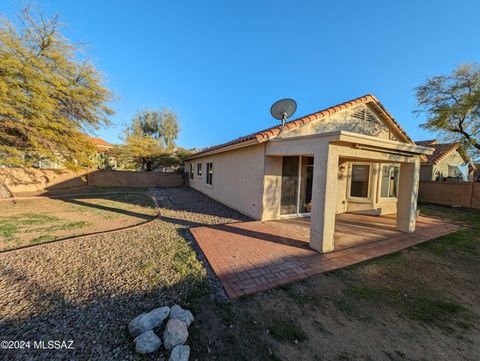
point(174, 336)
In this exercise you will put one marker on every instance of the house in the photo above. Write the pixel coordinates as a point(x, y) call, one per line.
point(447, 162)
point(101, 145)
point(103, 158)
point(352, 157)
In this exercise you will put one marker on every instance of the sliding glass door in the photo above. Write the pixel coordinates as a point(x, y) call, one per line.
point(288, 204)
point(297, 177)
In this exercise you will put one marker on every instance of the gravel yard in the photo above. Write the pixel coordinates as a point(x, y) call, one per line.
point(420, 304)
point(88, 290)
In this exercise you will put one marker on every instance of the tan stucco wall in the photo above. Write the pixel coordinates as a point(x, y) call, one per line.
point(453, 158)
point(426, 172)
point(237, 178)
point(344, 121)
point(272, 187)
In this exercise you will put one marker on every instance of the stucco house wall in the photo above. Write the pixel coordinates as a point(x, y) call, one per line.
point(426, 172)
point(237, 178)
point(453, 158)
point(250, 182)
point(248, 176)
point(439, 169)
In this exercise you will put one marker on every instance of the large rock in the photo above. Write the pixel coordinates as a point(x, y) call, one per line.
point(181, 314)
point(147, 342)
point(148, 321)
point(180, 353)
point(175, 333)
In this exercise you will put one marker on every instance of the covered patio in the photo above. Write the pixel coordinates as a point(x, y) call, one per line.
point(331, 153)
point(250, 257)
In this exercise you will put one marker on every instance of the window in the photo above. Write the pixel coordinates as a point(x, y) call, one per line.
point(389, 181)
point(209, 178)
point(199, 169)
point(191, 171)
point(359, 184)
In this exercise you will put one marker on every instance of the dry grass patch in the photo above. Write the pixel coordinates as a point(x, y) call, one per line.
point(33, 221)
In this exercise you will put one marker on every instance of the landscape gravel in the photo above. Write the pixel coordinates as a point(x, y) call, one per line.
point(87, 289)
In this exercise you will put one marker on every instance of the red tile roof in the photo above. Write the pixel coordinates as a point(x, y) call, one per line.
point(273, 131)
point(440, 151)
point(99, 141)
point(426, 143)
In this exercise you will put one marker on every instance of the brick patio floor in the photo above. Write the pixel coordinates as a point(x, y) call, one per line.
point(249, 257)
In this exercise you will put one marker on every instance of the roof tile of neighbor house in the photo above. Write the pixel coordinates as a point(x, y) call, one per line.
point(265, 134)
point(426, 143)
point(440, 150)
point(99, 141)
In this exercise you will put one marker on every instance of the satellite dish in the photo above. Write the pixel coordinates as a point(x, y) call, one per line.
point(283, 109)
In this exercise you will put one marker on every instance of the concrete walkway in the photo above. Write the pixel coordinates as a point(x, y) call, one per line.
point(250, 257)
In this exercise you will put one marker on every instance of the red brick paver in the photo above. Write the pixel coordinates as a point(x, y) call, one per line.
point(249, 257)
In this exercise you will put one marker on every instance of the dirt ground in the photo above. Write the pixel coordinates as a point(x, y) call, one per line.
point(32, 221)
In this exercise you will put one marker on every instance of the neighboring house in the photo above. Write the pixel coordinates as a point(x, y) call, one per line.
point(352, 157)
point(447, 162)
point(101, 145)
point(103, 157)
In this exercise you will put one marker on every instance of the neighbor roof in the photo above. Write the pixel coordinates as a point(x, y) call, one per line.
point(266, 134)
point(440, 150)
point(99, 141)
point(426, 143)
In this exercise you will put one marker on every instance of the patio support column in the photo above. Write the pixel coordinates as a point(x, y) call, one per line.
point(407, 196)
point(324, 195)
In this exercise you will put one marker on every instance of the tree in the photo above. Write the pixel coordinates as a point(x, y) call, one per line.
point(161, 125)
point(150, 141)
point(452, 105)
point(48, 97)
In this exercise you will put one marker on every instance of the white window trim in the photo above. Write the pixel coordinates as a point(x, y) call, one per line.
point(380, 181)
point(368, 199)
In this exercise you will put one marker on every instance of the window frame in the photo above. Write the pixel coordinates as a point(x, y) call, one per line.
point(366, 199)
point(207, 173)
point(199, 171)
point(190, 172)
point(381, 177)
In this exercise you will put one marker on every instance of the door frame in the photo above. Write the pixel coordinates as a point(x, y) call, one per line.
point(298, 214)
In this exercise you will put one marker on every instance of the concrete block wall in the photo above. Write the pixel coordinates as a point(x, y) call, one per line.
point(459, 194)
point(19, 180)
point(114, 178)
point(23, 180)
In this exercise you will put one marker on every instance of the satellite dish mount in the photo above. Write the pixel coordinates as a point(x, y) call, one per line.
point(283, 109)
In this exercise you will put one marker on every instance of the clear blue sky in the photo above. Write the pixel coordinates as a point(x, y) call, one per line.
point(221, 64)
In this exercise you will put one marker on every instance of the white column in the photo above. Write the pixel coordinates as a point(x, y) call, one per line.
point(407, 196)
point(324, 195)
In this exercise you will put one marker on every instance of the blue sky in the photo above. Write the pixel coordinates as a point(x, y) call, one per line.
point(221, 64)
